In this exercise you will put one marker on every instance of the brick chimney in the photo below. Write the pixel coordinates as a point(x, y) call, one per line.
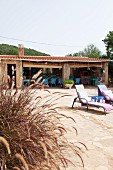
point(20, 50)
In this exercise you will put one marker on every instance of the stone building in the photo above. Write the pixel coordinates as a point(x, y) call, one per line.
point(82, 67)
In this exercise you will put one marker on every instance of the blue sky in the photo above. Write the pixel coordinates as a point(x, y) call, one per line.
point(56, 27)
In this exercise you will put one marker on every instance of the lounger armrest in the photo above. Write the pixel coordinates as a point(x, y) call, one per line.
point(107, 96)
point(84, 99)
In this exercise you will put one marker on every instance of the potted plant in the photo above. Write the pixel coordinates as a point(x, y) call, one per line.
point(68, 83)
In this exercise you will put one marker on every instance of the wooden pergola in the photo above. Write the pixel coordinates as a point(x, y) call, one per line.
point(64, 63)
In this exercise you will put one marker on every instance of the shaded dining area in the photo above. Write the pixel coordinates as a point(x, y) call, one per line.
point(54, 77)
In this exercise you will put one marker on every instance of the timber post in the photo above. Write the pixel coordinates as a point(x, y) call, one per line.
point(65, 72)
point(105, 74)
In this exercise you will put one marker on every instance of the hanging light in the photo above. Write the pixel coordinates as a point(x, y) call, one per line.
point(101, 65)
point(88, 67)
point(74, 66)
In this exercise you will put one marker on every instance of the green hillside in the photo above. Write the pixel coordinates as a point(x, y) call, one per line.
point(6, 49)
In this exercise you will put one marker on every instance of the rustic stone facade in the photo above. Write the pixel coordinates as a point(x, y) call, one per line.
point(66, 64)
point(19, 77)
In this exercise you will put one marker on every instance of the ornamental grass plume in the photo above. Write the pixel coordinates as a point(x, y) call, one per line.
point(31, 134)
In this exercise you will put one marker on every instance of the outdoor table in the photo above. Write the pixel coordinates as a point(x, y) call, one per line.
point(97, 98)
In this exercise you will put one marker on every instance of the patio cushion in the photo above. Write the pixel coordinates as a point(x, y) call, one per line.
point(106, 106)
point(83, 94)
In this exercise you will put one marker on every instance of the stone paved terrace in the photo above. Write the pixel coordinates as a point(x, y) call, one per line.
point(95, 130)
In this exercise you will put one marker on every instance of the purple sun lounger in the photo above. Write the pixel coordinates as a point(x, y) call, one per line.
point(107, 94)
point(86, 101)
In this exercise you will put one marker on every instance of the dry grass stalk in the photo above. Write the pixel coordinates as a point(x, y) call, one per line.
point(16, 168)
point(4, 141)
point(21, 158)
point(35, 76)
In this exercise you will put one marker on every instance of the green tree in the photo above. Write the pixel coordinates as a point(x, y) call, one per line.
point(109, 44)
point(69, 55)
point(109, 50)
point(92, 51)
point(80, 53)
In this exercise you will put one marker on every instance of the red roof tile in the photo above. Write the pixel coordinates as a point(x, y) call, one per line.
point(53, 58)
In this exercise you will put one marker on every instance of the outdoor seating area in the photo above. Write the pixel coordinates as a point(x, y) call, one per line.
point(53, 81)
point(56, 81)
point(53, 77)
point(94, 101)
